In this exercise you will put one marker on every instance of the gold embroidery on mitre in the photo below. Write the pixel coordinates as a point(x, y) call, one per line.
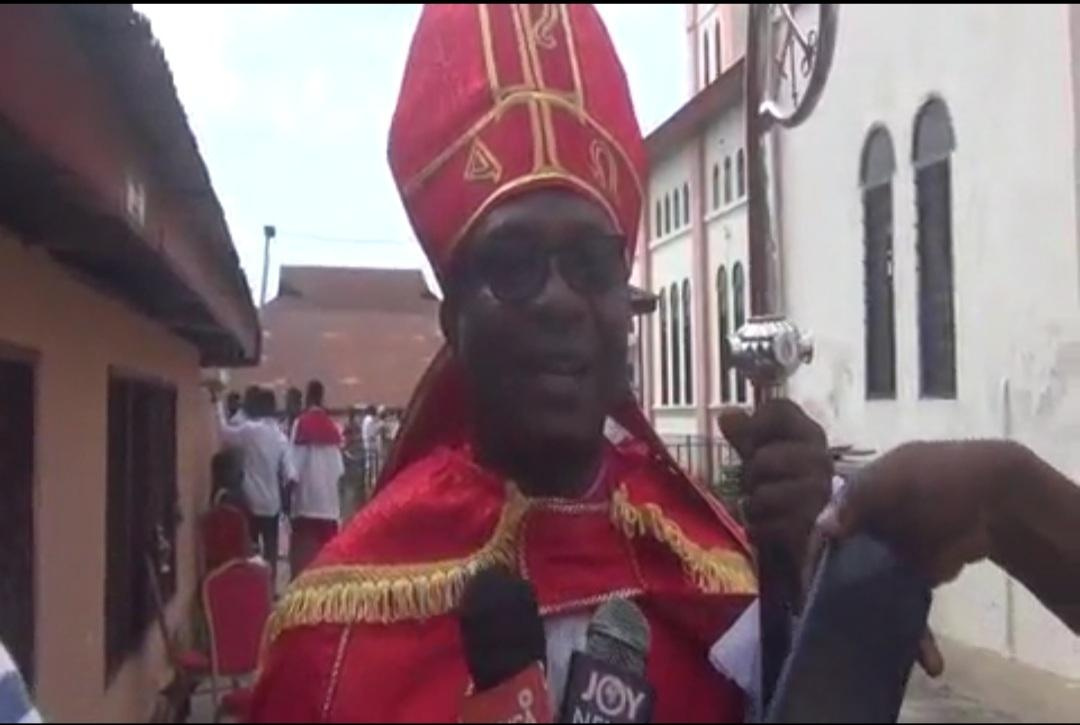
point(542, 29)
point(604, 167)
point(481, 164)
point(378, 594)
point(715, 571)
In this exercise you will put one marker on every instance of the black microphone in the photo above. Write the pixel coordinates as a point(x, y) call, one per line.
point(505, 650)
point(607, 681)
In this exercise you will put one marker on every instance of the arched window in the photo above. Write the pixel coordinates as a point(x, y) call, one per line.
point(675, 223)
point(686, 203)
point(738, 292)
point(659, 220)
point(665, 397)
point(740, 174)
point(722, 316)
point(716, 186)
point(688, 345)
point(727, 180)
point(933, 147)
point(705, 79)
point(875, 177)
point(667, 214)
point(717, 48)
point(676, 348)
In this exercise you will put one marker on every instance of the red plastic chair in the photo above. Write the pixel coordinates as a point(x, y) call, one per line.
point(237, 603)
point(225, 536)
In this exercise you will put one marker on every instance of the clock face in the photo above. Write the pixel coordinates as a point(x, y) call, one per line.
point(796, 29)
point(799, 47)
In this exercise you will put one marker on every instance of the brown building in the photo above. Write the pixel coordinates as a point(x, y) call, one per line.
point(367, 334)
point(118, 282)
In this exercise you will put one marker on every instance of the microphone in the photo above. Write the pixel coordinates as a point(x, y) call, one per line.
point(505, 650)
point(607, 681)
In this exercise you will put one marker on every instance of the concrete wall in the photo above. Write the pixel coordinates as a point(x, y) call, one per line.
point(77, 333)
point(1004, 72)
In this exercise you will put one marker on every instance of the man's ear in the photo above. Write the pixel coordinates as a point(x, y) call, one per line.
point(448, 321)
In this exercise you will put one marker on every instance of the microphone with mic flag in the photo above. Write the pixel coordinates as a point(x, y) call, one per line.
point(505, 650)
point(607, 681)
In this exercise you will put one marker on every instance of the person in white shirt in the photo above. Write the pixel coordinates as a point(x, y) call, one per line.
point(316, 505)
point(268, 468)
point(371, 433)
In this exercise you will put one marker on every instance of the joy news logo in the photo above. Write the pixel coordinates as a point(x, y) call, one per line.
point(609, 699)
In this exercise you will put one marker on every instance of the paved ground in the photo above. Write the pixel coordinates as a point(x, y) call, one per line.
point(979, 686)
point(929, 701)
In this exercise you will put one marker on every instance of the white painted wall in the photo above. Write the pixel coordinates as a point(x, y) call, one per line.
point(725, 227)
point(1004, 71)
point(672, 260)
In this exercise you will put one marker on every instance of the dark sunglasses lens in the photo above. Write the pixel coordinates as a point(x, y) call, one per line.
point(592, 266)
point(514, 272)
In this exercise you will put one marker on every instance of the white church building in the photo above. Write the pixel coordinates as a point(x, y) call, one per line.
point(929, 233)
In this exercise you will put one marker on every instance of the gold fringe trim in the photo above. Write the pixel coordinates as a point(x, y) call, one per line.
point(715, 571)
point(385, 594)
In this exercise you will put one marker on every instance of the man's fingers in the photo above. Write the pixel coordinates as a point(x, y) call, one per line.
point(780, 419)
point(784, 498)
point(736, 427)
point(789, 459)
point(930, 657)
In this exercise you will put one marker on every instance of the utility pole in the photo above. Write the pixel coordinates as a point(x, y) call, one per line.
point(269, 232)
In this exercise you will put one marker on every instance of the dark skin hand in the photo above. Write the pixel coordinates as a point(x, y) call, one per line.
point(945, 505)
point(787, 474)
point(544, 371)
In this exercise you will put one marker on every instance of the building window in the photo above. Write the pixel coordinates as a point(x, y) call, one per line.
point(141, 511)
point(727, 180)
point(933, 147)
point(875, 177)
point(665, 397)
point(659, 220)
point(740, 173)
point(738, 292)
point(676, 348)
point(688, 344)
point(667, 214)
point(722, 317)
point(675, 211)
point(717, 47)
point(715, 186)
point(705, 55)
point(17, 552)
point(686, 203)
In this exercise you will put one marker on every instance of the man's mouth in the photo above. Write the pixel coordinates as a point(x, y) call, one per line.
point(561, 364)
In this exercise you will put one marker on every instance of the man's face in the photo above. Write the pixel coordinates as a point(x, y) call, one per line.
point(539, 319)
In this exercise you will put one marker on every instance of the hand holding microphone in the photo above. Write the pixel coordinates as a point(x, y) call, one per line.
point(607, 681)
point(505, 649)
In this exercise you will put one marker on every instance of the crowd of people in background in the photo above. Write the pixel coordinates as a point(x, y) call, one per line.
point(369, 433)
point(295, 465)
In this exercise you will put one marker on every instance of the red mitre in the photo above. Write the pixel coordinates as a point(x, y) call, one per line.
point(502, 99)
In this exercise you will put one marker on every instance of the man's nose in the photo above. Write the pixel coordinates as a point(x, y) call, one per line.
point(558, 303)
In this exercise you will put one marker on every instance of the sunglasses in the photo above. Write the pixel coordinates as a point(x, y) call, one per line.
point(517, 270)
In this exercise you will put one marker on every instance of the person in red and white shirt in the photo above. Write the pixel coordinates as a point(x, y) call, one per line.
point(316, 505)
